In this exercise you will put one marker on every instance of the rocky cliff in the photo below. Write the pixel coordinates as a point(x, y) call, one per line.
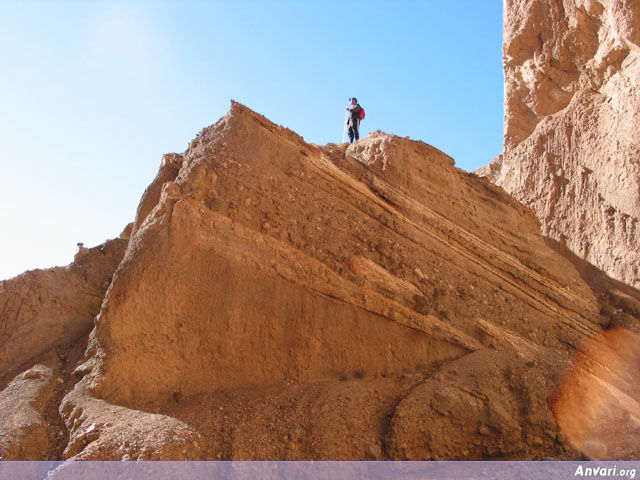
point(45, 317)
point(281, 300)
point(572, 126)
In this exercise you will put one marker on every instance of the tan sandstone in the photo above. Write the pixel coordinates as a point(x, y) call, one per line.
point(42, 309)
point(572, 126)
point(281, 300)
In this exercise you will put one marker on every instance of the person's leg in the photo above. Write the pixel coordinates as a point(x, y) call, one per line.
point(356, 130)
point(351, 133)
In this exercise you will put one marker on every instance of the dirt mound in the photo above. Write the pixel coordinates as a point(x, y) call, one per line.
point(494, 401)
point(280, 300)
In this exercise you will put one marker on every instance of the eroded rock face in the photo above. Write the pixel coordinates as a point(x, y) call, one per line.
point(572, 125)
point(280, 300)
point(42, 309)
point(25, 431)
point(493, 401)
point(268, 259)
point(101, 431)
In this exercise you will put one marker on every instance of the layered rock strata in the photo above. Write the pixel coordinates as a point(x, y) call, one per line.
point(281, 300)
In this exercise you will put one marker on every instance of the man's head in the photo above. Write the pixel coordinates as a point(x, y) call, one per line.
point(354, 100)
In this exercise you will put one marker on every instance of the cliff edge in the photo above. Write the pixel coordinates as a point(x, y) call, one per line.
point(572, 126)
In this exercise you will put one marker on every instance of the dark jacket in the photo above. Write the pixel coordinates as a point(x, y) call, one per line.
point(355, 113)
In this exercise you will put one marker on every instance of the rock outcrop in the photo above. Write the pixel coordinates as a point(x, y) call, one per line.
point(281, 300)
point(25, 430)
point(43, 309)
point(572, 126)
point(267, 259)
point(267, 278)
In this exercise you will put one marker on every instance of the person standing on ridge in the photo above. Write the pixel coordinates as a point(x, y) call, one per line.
point(354, 119)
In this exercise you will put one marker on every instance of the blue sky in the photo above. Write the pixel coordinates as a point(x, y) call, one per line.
point(92, 93)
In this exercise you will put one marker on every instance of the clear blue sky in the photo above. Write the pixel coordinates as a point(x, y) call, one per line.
point(92, 93)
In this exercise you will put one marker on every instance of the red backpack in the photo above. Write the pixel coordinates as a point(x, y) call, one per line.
point(361, 113)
